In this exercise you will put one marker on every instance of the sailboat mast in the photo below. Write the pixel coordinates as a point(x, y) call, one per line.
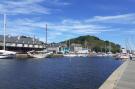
point(4, 42)
point(110, 47)
point(46, 33)
point(105, 47)
point(69, 45)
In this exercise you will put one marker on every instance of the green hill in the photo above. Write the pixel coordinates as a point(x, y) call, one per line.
point(95, 44)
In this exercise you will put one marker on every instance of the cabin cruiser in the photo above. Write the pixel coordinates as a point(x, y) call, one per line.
point(123, 56)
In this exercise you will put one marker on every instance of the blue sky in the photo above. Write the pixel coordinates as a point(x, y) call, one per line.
point(112, 20)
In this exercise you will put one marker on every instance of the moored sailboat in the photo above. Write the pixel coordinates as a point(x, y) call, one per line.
point(4, 53)
point(39, 54)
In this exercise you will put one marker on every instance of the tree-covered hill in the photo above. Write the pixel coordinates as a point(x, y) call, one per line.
point(94, 43)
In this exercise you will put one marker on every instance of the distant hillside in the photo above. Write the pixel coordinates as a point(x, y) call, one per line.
point(94, 43)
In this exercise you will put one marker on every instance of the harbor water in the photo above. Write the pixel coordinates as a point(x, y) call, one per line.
point(56, 73)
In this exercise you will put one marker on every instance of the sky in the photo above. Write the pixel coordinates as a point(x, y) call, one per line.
point(112, 20)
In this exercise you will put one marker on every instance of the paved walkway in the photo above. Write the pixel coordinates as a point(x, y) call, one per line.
point(127, 80)
point(111, 82)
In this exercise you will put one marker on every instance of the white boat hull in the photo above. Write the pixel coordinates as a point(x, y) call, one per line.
point(76, 55)
point(7, 54)
point(4, 53)
point(70, 55)
point(38, 54)
point(123, 56)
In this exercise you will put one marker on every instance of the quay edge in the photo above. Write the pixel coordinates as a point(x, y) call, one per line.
point(22, 56)
point(113, 79)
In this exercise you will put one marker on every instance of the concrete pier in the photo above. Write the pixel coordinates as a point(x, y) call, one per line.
point(112, 81)
point(127, 80)
point(122, 78)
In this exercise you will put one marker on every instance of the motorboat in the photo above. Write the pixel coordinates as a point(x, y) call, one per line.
point(123, 56)
point(70, 55)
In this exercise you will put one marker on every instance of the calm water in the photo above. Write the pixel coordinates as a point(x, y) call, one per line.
point(56, 73)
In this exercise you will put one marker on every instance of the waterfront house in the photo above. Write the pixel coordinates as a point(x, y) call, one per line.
point(58, 48)
point(64, 50)
point(53, 47)
point(75, 47)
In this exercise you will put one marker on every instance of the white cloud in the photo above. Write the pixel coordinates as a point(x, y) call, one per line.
point(27, 6)
point(57, 2)
point(72, 27)
point(119, 19)
point(69, 27)
point(23, 7)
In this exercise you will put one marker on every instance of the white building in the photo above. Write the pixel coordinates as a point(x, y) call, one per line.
point(75, 47)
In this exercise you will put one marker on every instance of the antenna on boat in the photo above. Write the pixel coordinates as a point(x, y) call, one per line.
point(130, 45)
point(4, 42)
point(126, 44)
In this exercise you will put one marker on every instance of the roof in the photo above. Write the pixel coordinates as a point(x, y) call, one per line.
point(57, 45)
point(21, 40)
